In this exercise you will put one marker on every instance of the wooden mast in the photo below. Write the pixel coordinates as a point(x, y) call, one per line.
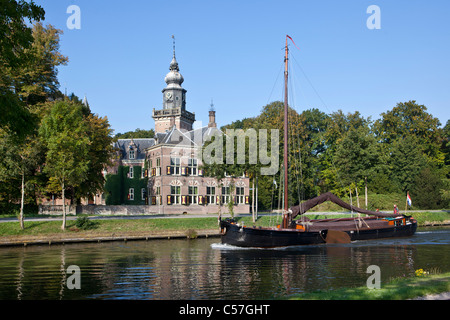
point(285, 163)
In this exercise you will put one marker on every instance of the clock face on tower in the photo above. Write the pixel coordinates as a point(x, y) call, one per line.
point(169, 95)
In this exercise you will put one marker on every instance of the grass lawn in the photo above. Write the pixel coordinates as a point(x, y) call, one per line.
point(396, 289)
point(122, 226)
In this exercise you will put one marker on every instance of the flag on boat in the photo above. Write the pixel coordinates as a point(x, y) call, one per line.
point(292, 42)
point(408, 199)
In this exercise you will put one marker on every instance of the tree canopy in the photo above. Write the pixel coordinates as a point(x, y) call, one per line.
point(338, 152)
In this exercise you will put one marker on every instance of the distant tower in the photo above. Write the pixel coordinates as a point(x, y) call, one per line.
point(212, 117)
point(174, 101)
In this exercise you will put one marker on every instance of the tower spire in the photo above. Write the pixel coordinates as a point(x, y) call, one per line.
point(174, 63)
point(173, 40)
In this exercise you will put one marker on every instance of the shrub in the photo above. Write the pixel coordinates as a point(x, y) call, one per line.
point(84, 223)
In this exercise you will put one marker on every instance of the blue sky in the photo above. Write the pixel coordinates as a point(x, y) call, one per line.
point(232, 52)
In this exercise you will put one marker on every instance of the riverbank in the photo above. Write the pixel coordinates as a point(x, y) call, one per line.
point(47, 230)
point(422, 287)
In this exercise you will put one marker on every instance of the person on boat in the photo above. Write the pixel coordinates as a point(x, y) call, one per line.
point(395, 209)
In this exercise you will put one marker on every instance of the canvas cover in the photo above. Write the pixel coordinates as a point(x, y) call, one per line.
point(311, 203)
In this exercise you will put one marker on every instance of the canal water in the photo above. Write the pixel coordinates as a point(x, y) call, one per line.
point(205, 269)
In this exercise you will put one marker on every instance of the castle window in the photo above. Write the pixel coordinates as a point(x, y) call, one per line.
point(175, 164)
point(225, 194)
point(132, 155)
point(240, 195)
point(192, 165)
point(193, 194)
point(158, 166)
point(175, 192)
point(131, 194)
point(211, 195)
point(131, 173)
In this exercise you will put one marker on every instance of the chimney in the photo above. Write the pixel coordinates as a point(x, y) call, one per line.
point(212, 119)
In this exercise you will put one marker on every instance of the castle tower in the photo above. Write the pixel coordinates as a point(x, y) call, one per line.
point(174, 102)
point(212, 117)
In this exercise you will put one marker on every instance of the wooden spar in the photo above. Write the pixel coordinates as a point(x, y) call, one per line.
point(286, 205)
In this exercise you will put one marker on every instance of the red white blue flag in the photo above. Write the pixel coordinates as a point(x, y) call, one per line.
point(408, 199)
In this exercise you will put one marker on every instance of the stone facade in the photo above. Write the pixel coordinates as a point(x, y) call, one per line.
point(170, 163)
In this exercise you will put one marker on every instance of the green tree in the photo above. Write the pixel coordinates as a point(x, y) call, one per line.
point(19, 159)
point(64, 133)
point(136, 134)
point(15, 38)
point(426, 190)
point(334, 176)
point(411, 119)
point(100, 154)
point(357, 156)
point(36, 81)
point(405, 162)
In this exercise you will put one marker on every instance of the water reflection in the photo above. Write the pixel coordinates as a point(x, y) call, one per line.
point(205, 269)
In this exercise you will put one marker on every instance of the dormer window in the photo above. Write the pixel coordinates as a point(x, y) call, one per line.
point(132, 154)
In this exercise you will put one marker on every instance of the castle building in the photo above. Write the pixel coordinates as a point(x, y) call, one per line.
point(165, 172)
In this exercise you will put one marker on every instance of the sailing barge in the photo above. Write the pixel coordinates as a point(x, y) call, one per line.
point(306, 232)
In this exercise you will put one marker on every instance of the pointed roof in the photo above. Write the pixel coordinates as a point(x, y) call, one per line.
point(174, 77)
point(85, 102)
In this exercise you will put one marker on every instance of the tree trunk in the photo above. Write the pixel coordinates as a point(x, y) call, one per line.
point(357, 197)
point(63, 226)
point(22, 201)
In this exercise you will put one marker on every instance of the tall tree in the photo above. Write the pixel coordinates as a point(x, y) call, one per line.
point(19, 159)
point(100, 154)
point(15, 38)
point(37, 80)
point(411, 119)
point(64, 132)
point(337, 129)
point(405, 162)
point(357, 155)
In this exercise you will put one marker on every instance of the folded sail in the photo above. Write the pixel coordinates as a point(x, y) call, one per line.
point(311, 203)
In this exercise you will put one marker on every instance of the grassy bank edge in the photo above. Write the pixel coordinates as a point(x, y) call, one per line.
point(50, 226)
point(395, 289)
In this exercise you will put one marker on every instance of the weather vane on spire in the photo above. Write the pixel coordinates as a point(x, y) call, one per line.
point(173, 37)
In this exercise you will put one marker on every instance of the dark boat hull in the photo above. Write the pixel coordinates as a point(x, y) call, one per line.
point(240, 236)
